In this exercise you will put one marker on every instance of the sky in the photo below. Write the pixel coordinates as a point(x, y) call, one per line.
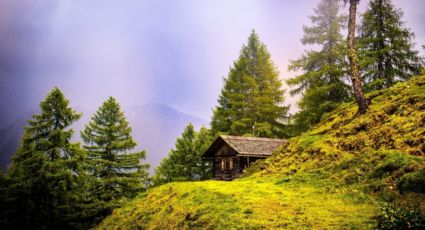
point(173, 52)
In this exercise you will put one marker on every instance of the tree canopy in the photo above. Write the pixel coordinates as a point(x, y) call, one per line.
point(117, 172)
point(251, 101)
point(44, 187)
point(322, 84)
point(184, 162)
point(387, 52)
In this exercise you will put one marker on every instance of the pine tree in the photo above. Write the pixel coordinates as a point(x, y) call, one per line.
point(45, 173)
point(4, 204)
point(251, 100)
point(203, 140)
point(386, 48)
point(118, 173)
point(322, 84)
point(184, 162)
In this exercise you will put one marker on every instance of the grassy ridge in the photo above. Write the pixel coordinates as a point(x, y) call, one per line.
point(331, 177)
point(245, 203)
point(381, 151)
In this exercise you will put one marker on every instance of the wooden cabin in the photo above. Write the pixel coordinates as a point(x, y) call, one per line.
point(232, 154)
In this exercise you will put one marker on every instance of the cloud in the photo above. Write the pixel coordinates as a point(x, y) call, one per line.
point(172, 52)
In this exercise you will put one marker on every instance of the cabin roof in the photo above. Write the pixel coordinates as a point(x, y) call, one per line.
point(246, 146)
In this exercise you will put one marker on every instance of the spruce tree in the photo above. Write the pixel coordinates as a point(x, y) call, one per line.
point(386, 48)
point(203, 140)
point(4, 204)
point(44, 187)
point(322, 84)
point(117, 173)
point(184, 162)
point(252, 96)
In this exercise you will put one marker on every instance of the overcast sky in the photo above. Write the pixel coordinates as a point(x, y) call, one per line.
point(174, 52)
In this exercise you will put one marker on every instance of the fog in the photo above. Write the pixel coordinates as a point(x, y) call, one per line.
point(170, 52)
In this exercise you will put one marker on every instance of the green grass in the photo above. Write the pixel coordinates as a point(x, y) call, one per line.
point(335, 176)
point(300, 203)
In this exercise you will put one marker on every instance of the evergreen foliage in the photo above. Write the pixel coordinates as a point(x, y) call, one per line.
point(202, 142)
point(116, 174)
point(44, 190)
point(251, 99)
point(387, 53)
point(322, 84)
point(184, 163)
point(3, 200)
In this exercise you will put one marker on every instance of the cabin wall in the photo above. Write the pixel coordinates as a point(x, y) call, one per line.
point(226, 168)
point(245, 162)
point(226, 164)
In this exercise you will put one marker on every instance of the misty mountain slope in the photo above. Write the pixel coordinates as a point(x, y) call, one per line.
point(10, 137)
point(349, 172)
point(155, 128)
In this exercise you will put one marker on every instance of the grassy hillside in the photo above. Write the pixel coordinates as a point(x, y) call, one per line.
point(339, 174)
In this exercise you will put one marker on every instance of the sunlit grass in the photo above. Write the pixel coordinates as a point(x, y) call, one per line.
point(247, 203)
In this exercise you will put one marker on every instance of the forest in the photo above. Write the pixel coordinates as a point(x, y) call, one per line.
point(355, 156)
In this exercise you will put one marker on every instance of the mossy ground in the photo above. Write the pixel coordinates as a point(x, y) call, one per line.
point(299, 203)
point(331, 177)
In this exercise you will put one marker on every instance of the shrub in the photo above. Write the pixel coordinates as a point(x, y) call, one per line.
point(394, 217)
point(412, 182)
point(393, 161)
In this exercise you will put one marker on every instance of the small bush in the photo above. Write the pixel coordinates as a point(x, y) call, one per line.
point(376, 186)
point(351, 178)
point(393, 162)
point(393, 217)
point(412, 182)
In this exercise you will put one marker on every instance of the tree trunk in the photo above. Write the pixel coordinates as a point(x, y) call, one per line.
point(352, 56)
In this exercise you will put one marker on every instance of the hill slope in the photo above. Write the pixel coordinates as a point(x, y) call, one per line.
point(336, 175)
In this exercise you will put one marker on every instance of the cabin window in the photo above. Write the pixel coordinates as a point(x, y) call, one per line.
point(227, 164)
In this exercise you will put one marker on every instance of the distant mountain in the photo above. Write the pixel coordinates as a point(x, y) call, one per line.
point(155, 128)
point(10, 136)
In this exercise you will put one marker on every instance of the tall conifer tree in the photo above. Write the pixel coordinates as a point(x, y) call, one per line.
point(185, 162)
point(4, 203)
point(45, 173)
point(386, 48)
point(322, 84)
point(203, 141)
point(251, 99)
point(118, 173)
